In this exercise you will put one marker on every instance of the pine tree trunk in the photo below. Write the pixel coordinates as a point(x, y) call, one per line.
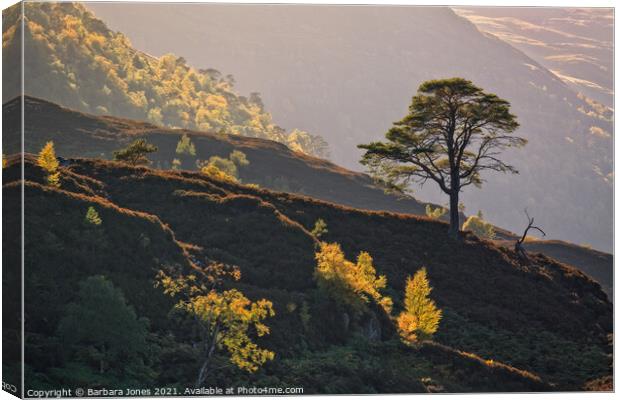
point(454, 214)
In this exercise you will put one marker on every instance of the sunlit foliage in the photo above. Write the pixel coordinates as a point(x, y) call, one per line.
point(48, 161)
point(86, 66)
point(238, 158)
point(420, 319)
point(224, 169)
point(435, 213)
point(92, 217)
point(185, 146)
point(479, 226)
point(354, 284)
point(320, 228)
point(225, 318)
point(135, 153)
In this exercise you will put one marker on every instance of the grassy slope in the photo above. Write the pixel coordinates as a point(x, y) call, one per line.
point(77, 134)
point(597, 264)
point(272, 165)
point(549, 319)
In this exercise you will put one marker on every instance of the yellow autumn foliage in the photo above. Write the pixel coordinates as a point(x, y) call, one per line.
point(354, 284)
point(48, 161)
point(420, 319)
point(227, 316)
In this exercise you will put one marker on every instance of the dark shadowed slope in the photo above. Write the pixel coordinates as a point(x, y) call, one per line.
point(272, 165)
point(546, 318)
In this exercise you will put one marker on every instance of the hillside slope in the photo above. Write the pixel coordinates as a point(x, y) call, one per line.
point(576, 44)
point(272, 166)
point(73, 58)
point(547, 319)
point(348, 72)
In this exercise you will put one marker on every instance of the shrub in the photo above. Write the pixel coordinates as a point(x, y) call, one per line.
point(479, 227)
point(92, 217)
point(48, 161)
point(435, 213)
point(320, 228)
point(420, 319)
point(349, 283)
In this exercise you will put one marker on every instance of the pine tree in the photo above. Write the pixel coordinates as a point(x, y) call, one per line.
point(454, 132)
point(48, 161)
point(420, 319)
point(135, 153)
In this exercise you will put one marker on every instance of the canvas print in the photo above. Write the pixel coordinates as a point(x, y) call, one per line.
point(253, 199)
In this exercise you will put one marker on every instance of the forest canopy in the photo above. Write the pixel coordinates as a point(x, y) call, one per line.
point(75, 60)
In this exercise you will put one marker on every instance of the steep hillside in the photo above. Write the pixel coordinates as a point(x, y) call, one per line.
point(594, 263)
point(349, 72)
point(576, 44)
point(548, 321)
point(272, 166)
point(72, 58)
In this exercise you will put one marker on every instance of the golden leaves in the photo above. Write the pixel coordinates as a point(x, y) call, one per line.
point(227, 316)
point(48, 161)
point(353, 284)
point(420, 319)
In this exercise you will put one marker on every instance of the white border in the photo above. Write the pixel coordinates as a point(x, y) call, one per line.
point(486, 3)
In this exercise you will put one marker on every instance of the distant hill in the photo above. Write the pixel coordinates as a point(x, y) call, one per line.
point(72, 58)
point(348, 72)
point(576, 44)
point(272, 166)
point(531, 328)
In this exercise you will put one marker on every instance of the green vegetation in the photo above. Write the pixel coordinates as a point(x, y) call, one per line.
point(453, 132)
point(186, 152)
point(185, 146)
point(479, 226)
point(320, 228)
point(420, 319)
point(48, 161)
point(503, 326)
point(435, 213)
point(86, 66)
point(92, 217)
point(135, 153)
point(225, 169)
point(100, 329)
point(223, 317)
